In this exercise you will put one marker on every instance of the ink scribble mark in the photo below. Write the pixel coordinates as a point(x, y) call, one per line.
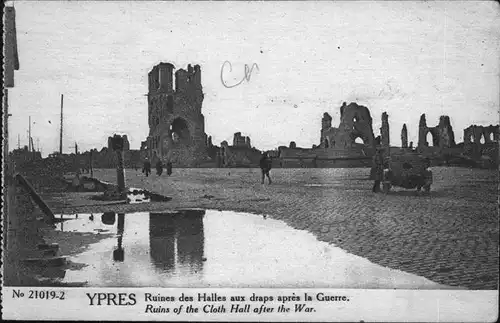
point(246, 77)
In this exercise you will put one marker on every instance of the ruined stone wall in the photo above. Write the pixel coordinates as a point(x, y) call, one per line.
point(481, 142)
point(231, 156)
point(355, 122)
point(384, 131)
point(126, 143)
point(480, 134)
point(404, 137)
point(442, 134)
point(241, 141)
point(176, 124)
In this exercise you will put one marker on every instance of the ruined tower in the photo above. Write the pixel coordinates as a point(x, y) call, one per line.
point(355, 127)
point(384, 131)
point(422, 132)
point(176, 124)
point(404, 137)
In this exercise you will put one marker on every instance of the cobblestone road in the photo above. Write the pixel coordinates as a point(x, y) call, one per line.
point(450, 236)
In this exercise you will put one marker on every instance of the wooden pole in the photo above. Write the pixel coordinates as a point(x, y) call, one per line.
point(29, 135)
point(61, 134)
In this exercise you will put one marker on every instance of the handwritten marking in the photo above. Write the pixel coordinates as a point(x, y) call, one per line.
point(246, 77)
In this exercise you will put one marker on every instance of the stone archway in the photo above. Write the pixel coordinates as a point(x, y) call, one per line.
point(431, 138)
point(179, 132)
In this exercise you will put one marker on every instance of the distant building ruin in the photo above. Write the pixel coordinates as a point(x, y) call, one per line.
point(241, 141)
point(384, 131)
point(442, 134)
point(481, 135)
point(176, 124)
point(355, 127)
point(404, 137)
point(481, 143)
point(351, 144)
point(240, 154)
point(126, 143)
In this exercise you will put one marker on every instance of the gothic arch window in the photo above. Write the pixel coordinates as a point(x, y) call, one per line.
point(327, 143)
point(429, 137)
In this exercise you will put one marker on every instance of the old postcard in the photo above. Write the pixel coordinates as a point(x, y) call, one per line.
point(251, 161)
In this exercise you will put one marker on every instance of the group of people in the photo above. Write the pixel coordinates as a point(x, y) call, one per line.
point(159, 168)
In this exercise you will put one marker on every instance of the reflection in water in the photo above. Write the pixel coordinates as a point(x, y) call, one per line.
point(168, 249)
point(176, 240)
point(108, 218)
point(119, 253)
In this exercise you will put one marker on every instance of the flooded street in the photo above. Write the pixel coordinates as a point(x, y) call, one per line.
point(198, 248)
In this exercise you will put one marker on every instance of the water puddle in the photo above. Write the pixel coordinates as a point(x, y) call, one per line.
point(198, 248)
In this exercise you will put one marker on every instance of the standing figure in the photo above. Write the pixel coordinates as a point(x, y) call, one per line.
point(159, 167)
point(377, 170)
point(169, 168)
point(147, 167)
point(265, 167)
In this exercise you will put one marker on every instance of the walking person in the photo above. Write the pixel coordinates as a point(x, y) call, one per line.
point(147, 167)
point(169, 168)
point(265, 167)
point(159, 167)
point(377, 170)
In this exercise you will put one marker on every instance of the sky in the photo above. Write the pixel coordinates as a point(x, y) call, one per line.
point(402, 57)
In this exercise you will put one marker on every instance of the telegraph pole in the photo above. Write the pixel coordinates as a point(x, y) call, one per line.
point(61, 134)
point(29, 135)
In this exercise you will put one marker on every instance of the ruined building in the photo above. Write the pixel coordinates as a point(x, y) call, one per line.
point(126, 143)
point(481, 135)
point(176, 124)
point(351, 144)
point(355, 127)
point(442, 134)
point(241, 141)
point(384, 131)
point(482, 142)
point(404, 137)
point(240, 154)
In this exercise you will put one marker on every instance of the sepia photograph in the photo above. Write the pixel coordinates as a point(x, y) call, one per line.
point(274, 144)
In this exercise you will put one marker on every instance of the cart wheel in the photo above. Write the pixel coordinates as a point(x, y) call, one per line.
point(386, 187)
